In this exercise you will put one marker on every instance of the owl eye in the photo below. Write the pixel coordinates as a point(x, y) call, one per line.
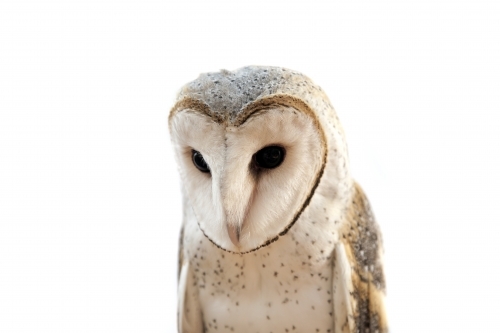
point(199, 161)
point(269, 157)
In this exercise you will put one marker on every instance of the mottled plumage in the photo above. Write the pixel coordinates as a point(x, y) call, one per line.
point(292, 248)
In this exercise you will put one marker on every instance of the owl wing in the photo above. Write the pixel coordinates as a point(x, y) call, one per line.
point(189, 318)
point(358, 277)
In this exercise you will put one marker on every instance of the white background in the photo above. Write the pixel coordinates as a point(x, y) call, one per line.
point(89, 193)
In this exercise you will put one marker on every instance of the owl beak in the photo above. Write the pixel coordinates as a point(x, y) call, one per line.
point(235, 219)
point(234, 234)
point(236, 187)
point(236, 224)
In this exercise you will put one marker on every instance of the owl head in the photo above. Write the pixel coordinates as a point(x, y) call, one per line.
point(256, 147)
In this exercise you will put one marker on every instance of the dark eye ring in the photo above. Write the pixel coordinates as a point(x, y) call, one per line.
point(199, 161)
point(269, 157)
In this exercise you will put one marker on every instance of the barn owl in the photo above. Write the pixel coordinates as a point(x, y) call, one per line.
point(276, 235)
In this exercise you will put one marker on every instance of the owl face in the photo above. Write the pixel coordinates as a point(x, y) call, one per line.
point(248, 183)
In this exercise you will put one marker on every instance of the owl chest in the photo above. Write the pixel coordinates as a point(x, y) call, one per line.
point(262, 292)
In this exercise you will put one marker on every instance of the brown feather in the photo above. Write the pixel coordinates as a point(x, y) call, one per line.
point(363, 244)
